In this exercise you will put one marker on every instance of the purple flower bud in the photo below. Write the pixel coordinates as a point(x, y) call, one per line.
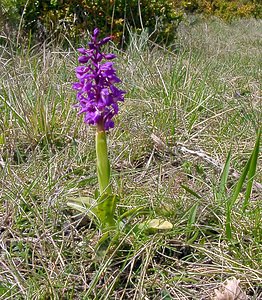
point(104, 40)
point(82, 50)
point(109, 56)
point(96, 32)
point(83, 59)
point(97, 95)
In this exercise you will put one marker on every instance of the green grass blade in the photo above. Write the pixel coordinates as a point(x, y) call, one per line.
point(224, 177)
point(190, 191)
point(191, 231)
point(16, 114)
point(252, 171)
point(249, 171)
point(192, 215)
point(228, 222)
point(240, 183)
point(231, 201)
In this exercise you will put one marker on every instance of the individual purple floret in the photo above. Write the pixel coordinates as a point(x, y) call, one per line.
point(97, 94)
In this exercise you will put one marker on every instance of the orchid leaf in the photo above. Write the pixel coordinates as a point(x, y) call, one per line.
point(106, 206)
point(133, 212)
point(84, 205)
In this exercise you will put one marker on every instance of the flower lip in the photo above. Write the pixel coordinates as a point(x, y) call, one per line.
point(106, 66)
point(77, 86)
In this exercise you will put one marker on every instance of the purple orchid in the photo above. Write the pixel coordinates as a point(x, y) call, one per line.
point(97, 94)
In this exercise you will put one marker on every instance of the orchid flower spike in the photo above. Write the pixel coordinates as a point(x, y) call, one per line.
point(97, 94)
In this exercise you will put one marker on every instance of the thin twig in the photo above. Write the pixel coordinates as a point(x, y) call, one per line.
point(201, 154)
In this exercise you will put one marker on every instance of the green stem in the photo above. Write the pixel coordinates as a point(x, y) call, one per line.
point(103, 165)
point(107, 202)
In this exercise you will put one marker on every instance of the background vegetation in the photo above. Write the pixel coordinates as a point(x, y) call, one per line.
point(187, 106)
point(53, 18)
